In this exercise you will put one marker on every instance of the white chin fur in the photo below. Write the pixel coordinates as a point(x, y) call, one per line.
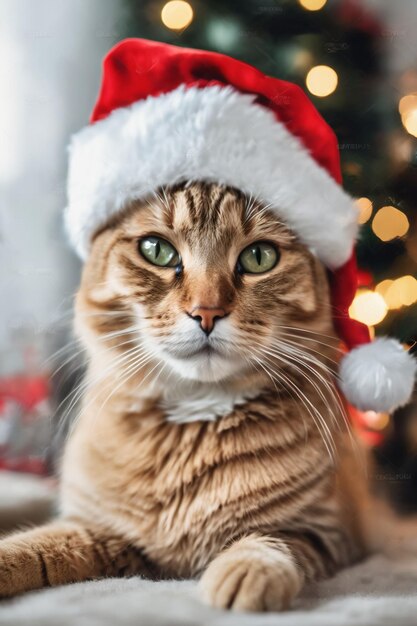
point(378, 376)
point(202, 402)
point(206, 369)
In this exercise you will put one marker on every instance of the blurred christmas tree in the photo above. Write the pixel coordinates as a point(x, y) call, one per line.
point(337, 51)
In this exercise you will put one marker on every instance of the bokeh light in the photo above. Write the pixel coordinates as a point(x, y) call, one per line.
point(321, 80)
point(401, 292)
point(368, 307)
point(177, 14)
point(223, 33)
point(376, 421)
point(410, 122)
point(392, 296)
point(408, 111)
point(383, 286)
point(407, 287)
point(312, 5)
point(389, 223)
point(407, 104)
point(365, 209)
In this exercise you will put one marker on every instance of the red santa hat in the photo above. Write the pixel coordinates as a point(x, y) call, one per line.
point(167, 114)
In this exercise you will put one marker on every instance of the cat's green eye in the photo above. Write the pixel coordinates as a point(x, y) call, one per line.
point(159, 252)
point(258, 258)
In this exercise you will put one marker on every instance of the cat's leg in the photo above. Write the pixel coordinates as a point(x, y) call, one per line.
point(62, 552)
point(261, 573)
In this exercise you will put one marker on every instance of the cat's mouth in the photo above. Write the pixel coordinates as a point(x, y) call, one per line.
point(203, 359)
point(206, 350)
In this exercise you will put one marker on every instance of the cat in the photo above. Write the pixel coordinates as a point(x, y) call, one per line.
point(212, 441)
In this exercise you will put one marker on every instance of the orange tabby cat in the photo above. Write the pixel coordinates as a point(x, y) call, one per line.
point(211, 441)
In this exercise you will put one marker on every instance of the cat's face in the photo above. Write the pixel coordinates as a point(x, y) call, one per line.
point(206, 281)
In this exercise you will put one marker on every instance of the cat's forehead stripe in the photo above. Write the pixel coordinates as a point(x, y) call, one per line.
point(209, 208)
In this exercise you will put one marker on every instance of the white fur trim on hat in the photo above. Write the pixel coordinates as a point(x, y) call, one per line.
point(378, 376)
point(213, 134)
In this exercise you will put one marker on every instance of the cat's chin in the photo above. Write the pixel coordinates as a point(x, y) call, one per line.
point(206, 367)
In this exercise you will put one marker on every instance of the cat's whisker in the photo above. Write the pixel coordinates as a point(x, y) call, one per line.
point(303, 357)
point(82, 352)
point(291, 340)
point(312, 411)
point(162, 200)
point(64, 363)
point(307, 353)
point(133, 362)
point(302, 398)
point(309, 331)
point(72, 343)
point(75, 395)
point(130, 330)
point(250, 208)
point(279, 354)
point(116, 346)
point(272, 378)
point(165, 198)
point(298, 364)
point(131, 371)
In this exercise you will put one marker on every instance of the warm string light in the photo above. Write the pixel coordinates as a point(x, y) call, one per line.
point(383, 287)
point(312, 5)
point(389, 222)
point(177, 14)
point(408, 111)
point(376, 421)
point(365, 208)
point(399, 292)
point(321, 81)
point(368, 307)
point(410, 123)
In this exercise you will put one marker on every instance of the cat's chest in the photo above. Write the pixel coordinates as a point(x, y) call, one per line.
point(192, 486)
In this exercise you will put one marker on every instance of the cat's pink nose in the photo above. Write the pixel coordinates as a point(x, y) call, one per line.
point(207, 316)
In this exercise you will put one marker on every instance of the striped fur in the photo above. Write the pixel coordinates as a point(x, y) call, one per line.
point(255, 501)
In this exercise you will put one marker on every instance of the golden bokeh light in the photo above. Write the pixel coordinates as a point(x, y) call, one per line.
point(376, 421)
point(407, 104)
point(401, 292)
point(408, 111)
point(321, 80)
point(312, 5)
point(368, 307)
point(365, 209)
point(392, 296)
point(407, 286)
point(409, 121)
point(389, 223)
point(177, 14)
point(383, 287)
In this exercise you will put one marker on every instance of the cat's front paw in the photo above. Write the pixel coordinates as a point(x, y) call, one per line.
point(252, 575)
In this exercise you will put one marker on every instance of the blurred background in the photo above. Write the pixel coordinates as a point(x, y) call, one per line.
point(357, 60)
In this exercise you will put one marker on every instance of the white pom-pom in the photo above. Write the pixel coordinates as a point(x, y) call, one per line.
point(378, 376)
